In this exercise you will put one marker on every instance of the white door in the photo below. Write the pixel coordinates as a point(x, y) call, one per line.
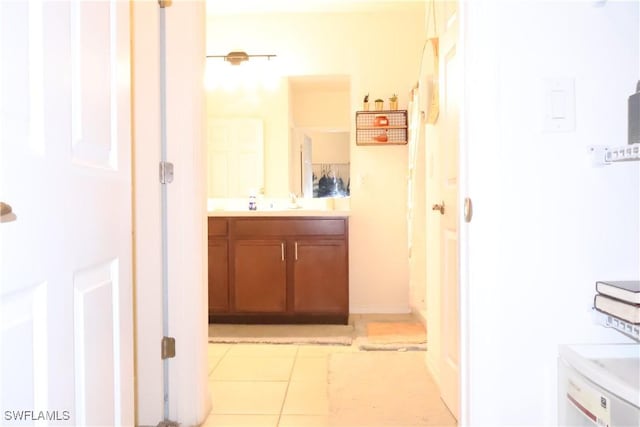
point(307, 167)
point(450, 81)
point(65, 169)
point(236, 157)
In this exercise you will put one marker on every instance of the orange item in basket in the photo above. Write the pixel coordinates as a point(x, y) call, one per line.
point(381, 138)
point(381, 121)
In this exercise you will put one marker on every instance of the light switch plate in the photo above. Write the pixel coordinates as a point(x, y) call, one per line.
point(559, 105)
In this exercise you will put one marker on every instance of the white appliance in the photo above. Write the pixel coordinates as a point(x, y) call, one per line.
point(599, 385)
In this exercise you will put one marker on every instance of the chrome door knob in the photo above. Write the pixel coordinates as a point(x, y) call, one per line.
point(438, 207)
point(6, 213)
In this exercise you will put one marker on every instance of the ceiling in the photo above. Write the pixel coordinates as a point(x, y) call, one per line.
point(232, 7)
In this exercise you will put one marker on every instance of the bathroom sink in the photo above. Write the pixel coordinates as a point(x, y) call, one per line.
point(278, 207)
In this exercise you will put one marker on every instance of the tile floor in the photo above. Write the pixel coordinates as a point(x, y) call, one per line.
point(260, 385)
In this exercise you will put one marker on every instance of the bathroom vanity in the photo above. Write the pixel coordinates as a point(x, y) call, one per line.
point(270, 267)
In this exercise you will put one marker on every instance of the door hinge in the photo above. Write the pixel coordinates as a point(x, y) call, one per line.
point(168, 347)
point(166, 172)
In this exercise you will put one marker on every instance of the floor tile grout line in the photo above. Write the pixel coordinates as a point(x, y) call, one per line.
point(286, 392)
point(228, 357)
point(248, 412)
point(218, 362)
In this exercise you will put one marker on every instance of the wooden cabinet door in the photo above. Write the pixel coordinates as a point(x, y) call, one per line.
point(320, 276)
point(260, 276)
point(218, 276)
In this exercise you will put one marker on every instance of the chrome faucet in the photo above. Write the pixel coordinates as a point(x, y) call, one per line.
point(293, 199)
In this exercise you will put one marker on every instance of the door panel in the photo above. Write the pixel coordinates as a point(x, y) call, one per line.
point(235, 157)
point(24, 363)
point(96, 309)
point(450, 80)
point(219, 173)
point(450, 322)
point(65, 168)
point(218, 276)
point(93, 84)
point(320, 276)
point(260, 276)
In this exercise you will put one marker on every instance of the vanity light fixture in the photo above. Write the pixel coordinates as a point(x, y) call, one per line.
point(238, 57)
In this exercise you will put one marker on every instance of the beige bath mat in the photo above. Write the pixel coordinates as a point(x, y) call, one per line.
point(281, 334)
point(396, 332)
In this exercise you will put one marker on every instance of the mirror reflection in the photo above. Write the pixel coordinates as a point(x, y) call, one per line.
point(292, 137)
point(324, 160)
point(320, 136)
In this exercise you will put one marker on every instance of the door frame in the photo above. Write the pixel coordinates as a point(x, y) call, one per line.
point(189, 396)
point(464, 230)
point(464, 306)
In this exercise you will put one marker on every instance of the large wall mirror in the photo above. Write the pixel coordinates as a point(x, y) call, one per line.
point(290, 138)
point(319, 136)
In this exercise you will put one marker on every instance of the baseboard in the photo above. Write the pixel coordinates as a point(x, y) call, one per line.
point(421, 315)
point(435, 373)
point(379, 310)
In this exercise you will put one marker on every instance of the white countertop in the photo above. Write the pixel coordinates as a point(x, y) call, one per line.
point(279, 212)
point(328, 207)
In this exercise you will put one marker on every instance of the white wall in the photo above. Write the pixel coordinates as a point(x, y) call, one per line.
point(380, 53)
point(546, 224)
point(318, 106)
point(188, 394)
